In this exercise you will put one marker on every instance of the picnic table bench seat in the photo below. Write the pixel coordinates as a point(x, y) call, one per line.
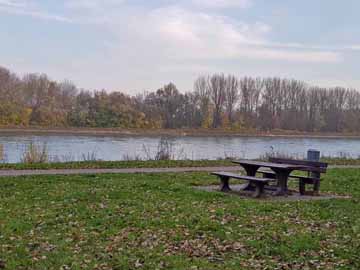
point(270, 174)
point(258, 182)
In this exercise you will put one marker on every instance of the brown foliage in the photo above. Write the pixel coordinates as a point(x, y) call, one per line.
point(217, 101)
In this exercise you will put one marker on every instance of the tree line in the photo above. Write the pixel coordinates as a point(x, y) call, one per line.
point(216, 101)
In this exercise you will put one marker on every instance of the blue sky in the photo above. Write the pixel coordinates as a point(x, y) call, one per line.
point(137, 45)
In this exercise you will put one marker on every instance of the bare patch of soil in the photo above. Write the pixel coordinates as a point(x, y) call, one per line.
point(292, 196)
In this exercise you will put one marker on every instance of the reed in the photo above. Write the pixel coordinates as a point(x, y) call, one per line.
point(2, 153)
point(165, 151)
point(35, 154)
point(90, 156)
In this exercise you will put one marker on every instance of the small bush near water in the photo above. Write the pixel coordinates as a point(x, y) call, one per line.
point(35, 154)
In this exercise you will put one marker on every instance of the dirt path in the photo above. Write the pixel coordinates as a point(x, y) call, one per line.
point(119, 171)
point(236, 191)
point(4, 173)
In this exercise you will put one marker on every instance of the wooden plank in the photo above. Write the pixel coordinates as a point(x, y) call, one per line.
point(298, 161)
point(312, 166)
point(243, 177)
point(290, 176)
point(271, 165)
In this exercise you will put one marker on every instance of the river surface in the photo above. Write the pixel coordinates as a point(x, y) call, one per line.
point(77, 148)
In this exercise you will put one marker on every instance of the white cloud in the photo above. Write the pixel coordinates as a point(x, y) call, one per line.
point(353, 47)
point(295, 56)
point(181, 32)
point(13, 3)
point(82, 4)
point(187, 35)
point(92, 4)
point(36, 14)
point(339, 48)
point(223, 3)
point(28, 8)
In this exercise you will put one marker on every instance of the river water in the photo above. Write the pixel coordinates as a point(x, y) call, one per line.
point(75, 148)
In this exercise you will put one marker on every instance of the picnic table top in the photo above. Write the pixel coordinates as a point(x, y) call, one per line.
point(269, 164)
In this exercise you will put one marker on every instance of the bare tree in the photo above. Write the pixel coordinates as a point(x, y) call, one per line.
point(232, 96)
point(217, 88)
point(250, 90)
point(201, 91)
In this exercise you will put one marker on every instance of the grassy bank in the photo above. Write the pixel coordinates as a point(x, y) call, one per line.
point(144, 164)
point(159, 221)
point(116, 164)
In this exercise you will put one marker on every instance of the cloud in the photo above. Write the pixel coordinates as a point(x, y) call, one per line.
point(212, 4)
point(353, 47)
point(223, 3)
point(36, 14)
point(82, 4)
point(334, 48)
point(95, 5)
point(294, 56)
point(13, 3)
point(181, 34)
point(27, 8)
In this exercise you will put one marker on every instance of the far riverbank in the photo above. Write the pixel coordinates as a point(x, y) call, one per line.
point(171, 132)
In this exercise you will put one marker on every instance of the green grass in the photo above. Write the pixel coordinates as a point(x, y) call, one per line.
point(144, 164)
point(341, 161)
point(116, 164)
point(158, 221)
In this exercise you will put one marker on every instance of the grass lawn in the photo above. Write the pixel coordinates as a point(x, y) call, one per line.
point(159, 221)
point(144, 164)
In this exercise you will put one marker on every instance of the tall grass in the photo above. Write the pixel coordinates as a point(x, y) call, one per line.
point(165, 151)
point(35, 154)
point(90, 156)
point(128, 157)
point(69, 157)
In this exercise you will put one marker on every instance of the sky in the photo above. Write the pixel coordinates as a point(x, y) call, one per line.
point(140, 45)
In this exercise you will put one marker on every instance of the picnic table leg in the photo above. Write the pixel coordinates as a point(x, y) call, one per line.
point(282, 177)
point(250, 171)
point(302, 187)
point(259, 190)
point(224, 186)
point(317, 187)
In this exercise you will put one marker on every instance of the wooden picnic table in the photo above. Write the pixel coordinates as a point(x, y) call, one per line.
point(282, 172)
